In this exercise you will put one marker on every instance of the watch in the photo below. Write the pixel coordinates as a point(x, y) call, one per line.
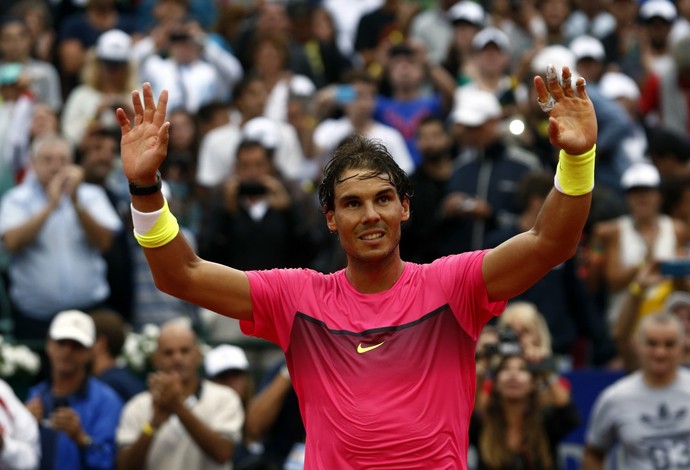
point(136, 190)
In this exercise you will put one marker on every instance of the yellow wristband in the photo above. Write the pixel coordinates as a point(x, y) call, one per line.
point(636, 289)
point(147, 430)
point(163, 230)
point(575, 173)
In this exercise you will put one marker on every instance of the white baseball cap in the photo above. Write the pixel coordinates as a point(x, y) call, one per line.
point(640, 175)
point(658, 9)
point(263, 130)
point(467, 11)
point(616, 85)
point(559, 56)
point(114, 45)
point(224, 358)
point(75, 325)
point(491, 35)
point(584, 47)
point(474, 107)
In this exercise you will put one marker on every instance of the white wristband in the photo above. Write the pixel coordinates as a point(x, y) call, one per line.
point(143, 221)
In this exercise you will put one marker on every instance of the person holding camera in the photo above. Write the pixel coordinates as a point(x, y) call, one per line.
point(77, 414)
point(516, 429)
point(257, 222)
point(521, 329)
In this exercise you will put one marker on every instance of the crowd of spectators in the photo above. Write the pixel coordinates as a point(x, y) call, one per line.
point(260, 93)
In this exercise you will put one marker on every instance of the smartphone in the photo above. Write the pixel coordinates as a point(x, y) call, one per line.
point(345, 94)
point(251, 188)
point(675, 267)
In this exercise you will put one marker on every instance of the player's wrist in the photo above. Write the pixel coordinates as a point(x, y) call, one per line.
point(575, 173)
point(155, 229)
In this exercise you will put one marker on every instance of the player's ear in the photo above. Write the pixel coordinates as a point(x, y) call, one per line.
point(330, 221)
point(406, 209)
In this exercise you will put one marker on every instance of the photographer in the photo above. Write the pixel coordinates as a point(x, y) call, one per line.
point(257, 223)
point(521, 330)
point(515, 429)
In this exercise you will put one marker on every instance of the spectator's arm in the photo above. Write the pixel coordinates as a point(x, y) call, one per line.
point(215, 445)
point(265, 406)
point(18, 238)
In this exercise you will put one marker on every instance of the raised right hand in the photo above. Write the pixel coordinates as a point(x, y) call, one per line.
point(144, 146)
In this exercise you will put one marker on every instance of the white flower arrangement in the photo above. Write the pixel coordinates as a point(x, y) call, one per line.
point(17, 359)
point(139, 347)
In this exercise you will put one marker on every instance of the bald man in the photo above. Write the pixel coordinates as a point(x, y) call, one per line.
point(182, 421)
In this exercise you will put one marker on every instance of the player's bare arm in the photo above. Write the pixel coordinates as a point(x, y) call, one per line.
point(176, 269)
point(518, 263)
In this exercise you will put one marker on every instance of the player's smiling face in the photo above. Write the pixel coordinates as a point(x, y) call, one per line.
point(367, 215)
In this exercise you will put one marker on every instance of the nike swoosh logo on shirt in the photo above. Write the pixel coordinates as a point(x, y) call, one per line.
point(362, 349)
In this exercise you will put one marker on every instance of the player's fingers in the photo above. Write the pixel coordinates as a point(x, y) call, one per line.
point(552, 82)
point(138, 108)
point(566, 80)
point(581, 86)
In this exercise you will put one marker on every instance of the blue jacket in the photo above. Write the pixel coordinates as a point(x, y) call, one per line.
point(98, 407)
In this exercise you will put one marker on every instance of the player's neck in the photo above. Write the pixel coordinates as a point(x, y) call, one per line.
point(370, 278)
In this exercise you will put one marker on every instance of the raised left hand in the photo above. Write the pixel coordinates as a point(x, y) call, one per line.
point(572, 122)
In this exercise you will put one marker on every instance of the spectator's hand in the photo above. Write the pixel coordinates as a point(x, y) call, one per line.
point(572, 122)
point(276, 195)
point(73, 177)
point(459, 204)
point(35, 407)
point(145, 145)
point(56, 188)
point(67, 420)
point(166, 389)
point(230, 194)
point(649, 275)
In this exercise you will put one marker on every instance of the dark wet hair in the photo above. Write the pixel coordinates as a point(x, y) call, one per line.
point(361, 153)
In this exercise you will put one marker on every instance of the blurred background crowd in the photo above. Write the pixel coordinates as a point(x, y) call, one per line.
point(262, 91)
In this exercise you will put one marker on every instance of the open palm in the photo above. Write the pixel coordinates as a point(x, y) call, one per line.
point(572, 121)
point(144, 145)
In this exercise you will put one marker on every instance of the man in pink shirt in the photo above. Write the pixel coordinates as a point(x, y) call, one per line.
point(381, 354)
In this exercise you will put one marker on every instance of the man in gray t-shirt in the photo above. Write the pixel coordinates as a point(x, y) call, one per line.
point(647, 412)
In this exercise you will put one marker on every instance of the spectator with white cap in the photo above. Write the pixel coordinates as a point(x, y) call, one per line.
point(476, 205)
point(217, 150)
point(491, 69)
point(590, 57)
point(77, 413)
point(467, 18)
point(108, 77)
point(227, 364)
point(621, 88)
point(643, 235)
point(657, 18)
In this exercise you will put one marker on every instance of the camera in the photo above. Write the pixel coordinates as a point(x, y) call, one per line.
point(60, 402)
point(251, 188)
point(508, 344)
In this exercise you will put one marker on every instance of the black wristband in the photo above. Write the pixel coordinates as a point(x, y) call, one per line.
point(135, 190)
